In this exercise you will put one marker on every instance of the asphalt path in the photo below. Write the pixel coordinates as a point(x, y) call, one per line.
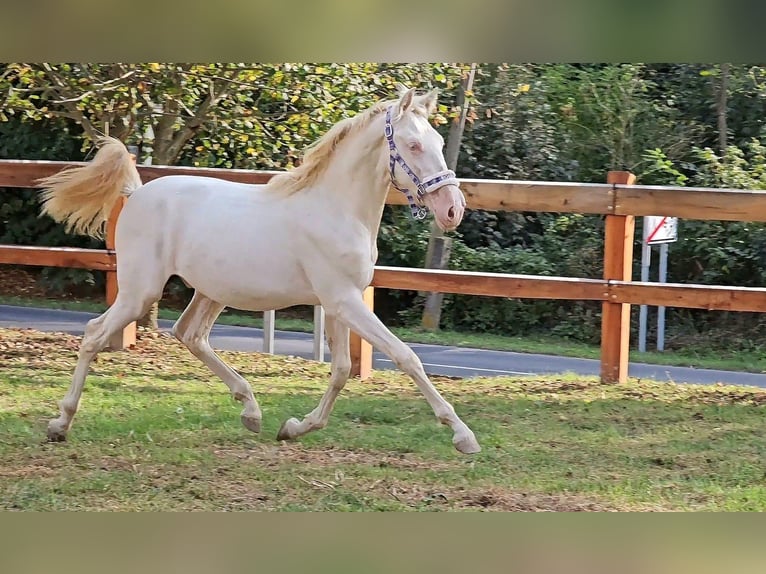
point(437, 359)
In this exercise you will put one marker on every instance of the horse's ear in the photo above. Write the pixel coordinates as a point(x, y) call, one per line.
point(430, 101)
point(405, 101)
point(401, 89)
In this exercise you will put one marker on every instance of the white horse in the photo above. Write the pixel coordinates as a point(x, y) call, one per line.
point(307, 237)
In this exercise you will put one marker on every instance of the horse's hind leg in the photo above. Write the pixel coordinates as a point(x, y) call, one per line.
point(98, 331)
point(192, 329)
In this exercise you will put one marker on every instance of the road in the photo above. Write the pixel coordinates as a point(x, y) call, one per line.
point(438, 360)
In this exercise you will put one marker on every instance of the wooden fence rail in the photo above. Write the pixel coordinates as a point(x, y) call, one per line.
point(618, 200)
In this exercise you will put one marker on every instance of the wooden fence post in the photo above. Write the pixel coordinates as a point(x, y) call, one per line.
point(127, 337)
point(361, 350)
point(319, 338)
point(269, 320)
point(618, 264)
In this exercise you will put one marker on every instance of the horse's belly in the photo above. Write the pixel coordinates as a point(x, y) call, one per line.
point(249, 284)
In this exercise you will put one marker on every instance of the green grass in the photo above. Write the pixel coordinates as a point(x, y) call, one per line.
point(752, 361)
point(156, 431)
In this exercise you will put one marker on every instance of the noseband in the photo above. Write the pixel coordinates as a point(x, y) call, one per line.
point(432, 183)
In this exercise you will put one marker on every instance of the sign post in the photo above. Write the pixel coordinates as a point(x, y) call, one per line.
point(658, 230)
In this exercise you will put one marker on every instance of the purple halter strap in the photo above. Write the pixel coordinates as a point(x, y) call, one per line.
point(419, 211)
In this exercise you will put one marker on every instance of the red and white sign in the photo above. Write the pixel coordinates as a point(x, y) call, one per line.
point(659, 229)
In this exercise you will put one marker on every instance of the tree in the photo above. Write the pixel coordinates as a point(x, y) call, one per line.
point(439, 245)
point(721, 103)
point(227, 115)
point(170, 103)
point(612, 113)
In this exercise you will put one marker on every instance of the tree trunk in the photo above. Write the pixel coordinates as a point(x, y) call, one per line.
point(440, 246)
point(721, 103)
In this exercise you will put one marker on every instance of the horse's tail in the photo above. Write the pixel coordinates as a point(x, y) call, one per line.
point(82, 197)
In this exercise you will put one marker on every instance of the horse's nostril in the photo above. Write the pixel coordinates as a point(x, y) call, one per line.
point(451, 213)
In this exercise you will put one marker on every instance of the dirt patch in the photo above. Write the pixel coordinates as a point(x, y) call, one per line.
point(542, 388)
point(288, 453)
point(26, 471)
point(714, 395)
point(507, 501)
point(490, 498)
point(413, 495)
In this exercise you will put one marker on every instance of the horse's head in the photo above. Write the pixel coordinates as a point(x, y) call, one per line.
point(417, 161)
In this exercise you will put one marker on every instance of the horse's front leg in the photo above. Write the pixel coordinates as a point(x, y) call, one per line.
point(340, 367)
point(353, 312)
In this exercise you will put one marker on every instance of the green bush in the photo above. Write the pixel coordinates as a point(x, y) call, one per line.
point(20, 220)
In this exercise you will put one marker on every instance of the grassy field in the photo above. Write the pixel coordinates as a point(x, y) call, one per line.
point(156, 431)
point(748, 361)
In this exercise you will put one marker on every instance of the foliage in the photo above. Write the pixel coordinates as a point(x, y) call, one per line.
point(560, 122)
point(612, 114)
point(228, 115)
point(20, 222)
point(719, 252)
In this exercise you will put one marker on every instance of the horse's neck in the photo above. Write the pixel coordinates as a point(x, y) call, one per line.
point(357, 181)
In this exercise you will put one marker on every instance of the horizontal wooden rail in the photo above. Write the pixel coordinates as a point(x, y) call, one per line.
point(502, 195)
point(150, 172)
point(25, 173)
point(537, 196)
point(98, 259)
point(593, 198)
point(691, 202)
point(710, 297)
point(489, 284)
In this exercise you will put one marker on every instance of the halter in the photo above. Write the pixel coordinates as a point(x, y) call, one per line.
point(440, 179)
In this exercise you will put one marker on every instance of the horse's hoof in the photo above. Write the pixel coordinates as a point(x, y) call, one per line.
point(284, 431)
point(56, 434)
point(251, 423)
point(467, 444)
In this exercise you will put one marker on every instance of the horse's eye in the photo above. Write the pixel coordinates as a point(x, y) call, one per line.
point(415, 146)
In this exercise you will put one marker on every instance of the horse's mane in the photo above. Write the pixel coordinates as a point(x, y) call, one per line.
point(316, 155)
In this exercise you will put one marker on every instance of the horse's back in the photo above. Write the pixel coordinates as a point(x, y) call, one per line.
point(194, 188)
point(230, 240)
point(186, 199)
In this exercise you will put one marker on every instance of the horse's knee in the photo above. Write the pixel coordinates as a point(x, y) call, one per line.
point(406, 359)
point(93, 326)
point(341, 369)
point(178, 332)
point(189, 337)
point(190, 327)
point(94, 337)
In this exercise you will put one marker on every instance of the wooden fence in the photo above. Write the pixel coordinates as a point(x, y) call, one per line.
point(619, 201)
